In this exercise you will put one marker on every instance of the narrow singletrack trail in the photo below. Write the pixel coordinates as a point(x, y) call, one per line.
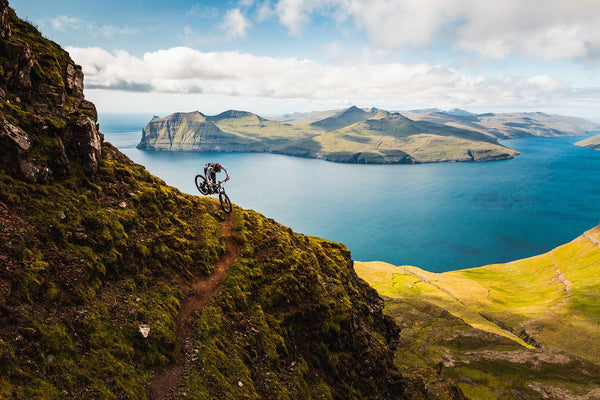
point(197, 294)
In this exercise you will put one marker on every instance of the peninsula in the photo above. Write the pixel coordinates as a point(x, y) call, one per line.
point(593, 142)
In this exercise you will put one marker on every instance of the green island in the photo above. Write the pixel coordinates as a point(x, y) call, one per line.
point(356, 135)
point(114, 285)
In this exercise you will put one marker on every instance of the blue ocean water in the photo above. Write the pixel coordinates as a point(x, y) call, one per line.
point(438, 217)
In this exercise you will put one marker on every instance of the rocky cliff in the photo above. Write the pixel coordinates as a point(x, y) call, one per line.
point(46, 123)
point(114, 285)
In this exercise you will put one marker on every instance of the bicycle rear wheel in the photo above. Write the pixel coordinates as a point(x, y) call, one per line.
point(201, 184)
point(225, 202)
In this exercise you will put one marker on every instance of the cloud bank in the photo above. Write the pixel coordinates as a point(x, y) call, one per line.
point(182, 70)
point(536, 29)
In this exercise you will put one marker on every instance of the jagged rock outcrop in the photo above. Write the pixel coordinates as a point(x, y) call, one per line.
point(43, 110)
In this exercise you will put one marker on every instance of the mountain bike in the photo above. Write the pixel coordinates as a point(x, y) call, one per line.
point(203, 187)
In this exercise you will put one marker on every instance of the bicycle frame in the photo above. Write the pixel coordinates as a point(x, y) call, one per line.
point(218, 187)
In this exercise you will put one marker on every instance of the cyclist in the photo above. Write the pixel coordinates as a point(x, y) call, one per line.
point(210, 173)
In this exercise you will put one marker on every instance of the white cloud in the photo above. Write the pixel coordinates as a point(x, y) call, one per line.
point(63, 23)
point(548, 30)
point(235, 24)
point(237, 76)
point(540, 29)
point(202, 11)
point(246, 3)
point(265, 11)
point(295, 14)
point(111, 30)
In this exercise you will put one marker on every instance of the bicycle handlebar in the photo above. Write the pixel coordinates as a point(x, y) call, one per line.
point(223, 181)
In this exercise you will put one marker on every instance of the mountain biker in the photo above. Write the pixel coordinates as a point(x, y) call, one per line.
point(210, 173)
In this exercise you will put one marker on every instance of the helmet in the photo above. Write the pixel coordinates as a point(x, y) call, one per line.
point(217, 167)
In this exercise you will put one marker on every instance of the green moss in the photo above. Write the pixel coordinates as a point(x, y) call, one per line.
point(93, 271)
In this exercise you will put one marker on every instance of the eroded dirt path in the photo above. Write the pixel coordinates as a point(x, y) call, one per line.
point(197, 295)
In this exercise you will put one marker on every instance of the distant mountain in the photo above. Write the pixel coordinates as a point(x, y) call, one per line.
point(348, 117)
point(422, 110)
point(234, 114)
point(393, 138)
point(512, 125)
point(300, 117)
point(459, 113)
point(352, 135)
point(592, 142)
point(529, 327)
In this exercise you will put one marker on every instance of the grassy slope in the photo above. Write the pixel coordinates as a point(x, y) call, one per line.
point(550, 301)
point(87, 259)
point(272, 133)
point(86, 262)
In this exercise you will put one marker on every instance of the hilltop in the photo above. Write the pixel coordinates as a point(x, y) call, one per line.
point(528, 327)
point(114, 285)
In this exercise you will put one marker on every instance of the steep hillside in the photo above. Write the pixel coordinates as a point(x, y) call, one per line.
point(193, 132)
point(512, 125)
point(528, 327)
point(114, 285)
point(592, 142)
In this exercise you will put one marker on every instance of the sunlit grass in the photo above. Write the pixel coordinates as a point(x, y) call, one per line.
point(553, 297)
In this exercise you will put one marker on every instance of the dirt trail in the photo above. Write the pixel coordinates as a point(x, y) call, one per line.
point(197, 295)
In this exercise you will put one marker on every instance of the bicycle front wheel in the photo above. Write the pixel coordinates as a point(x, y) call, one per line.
point(201, 184)
point(225, 202)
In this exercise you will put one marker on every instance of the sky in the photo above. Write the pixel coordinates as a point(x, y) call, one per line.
point(274, 57)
